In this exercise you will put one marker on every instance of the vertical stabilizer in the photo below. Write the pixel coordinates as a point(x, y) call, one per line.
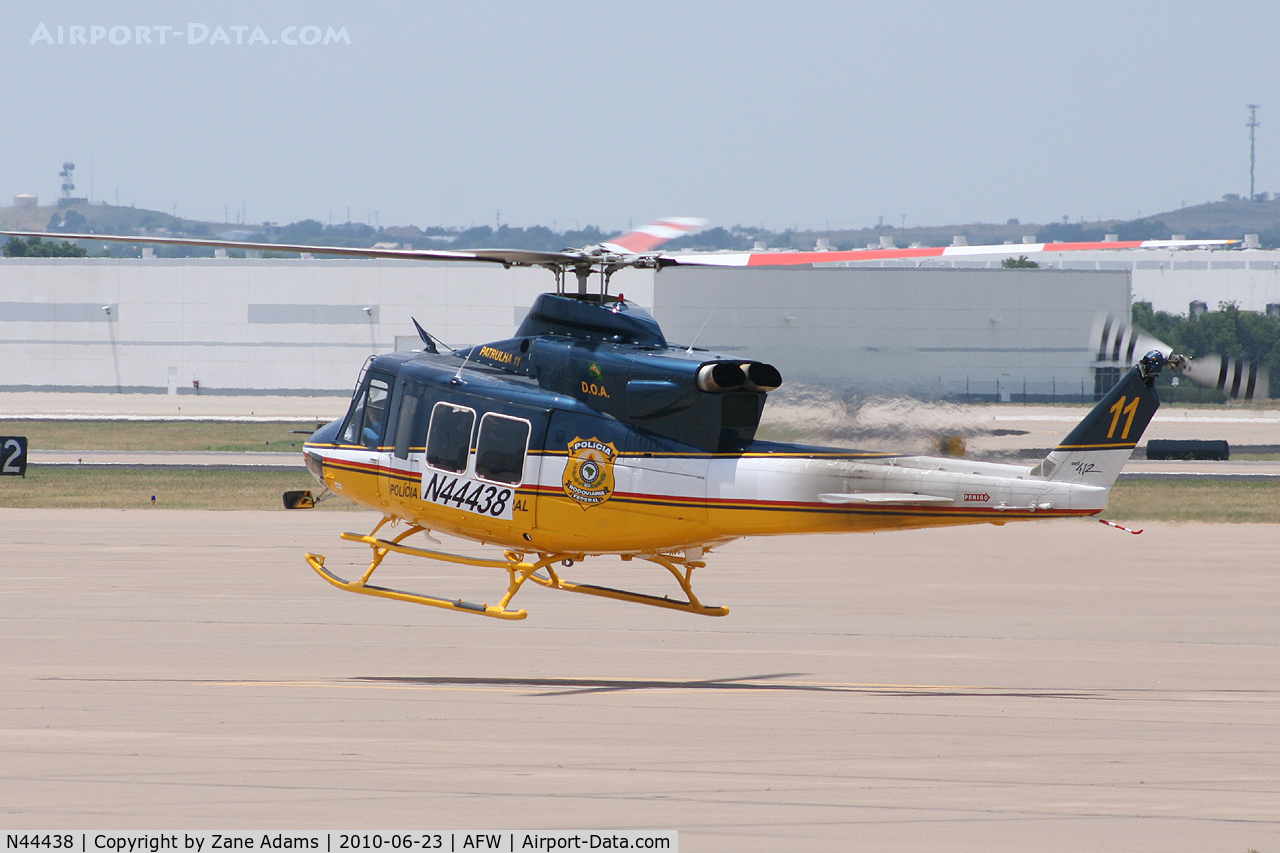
point(1095, 451)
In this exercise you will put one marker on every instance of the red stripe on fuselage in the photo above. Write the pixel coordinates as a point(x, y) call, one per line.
point(825, 508)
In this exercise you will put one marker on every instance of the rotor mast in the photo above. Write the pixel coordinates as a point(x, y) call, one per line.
point(603, 265)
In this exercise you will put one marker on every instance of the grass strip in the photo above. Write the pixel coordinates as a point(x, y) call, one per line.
point(161, 435)
point(1213, 501)
point(174, 488)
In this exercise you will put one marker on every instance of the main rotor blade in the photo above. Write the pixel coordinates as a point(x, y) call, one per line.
point(654, 234)
point(765, 259)
point(509, 257)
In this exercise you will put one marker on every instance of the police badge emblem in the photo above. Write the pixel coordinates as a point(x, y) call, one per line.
point(588, 474)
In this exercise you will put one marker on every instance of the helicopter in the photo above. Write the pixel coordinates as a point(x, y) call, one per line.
point(588, 434)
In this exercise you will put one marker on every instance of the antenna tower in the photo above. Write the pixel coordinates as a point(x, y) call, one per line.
point(67, 183)
point(1253, 127)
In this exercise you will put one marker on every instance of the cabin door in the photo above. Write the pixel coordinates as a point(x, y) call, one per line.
point(479, 462)
point(366, 429)
point(401, 470)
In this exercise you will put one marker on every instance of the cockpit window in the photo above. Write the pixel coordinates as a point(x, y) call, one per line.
point(351, 435)
point(501, 448)
point(449, 437)
point(369, 417)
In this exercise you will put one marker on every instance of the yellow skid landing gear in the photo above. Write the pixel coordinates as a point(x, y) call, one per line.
point(667, 562)
point(518, 571)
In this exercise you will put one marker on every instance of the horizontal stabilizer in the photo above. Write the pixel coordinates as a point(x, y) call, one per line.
point(883, 498)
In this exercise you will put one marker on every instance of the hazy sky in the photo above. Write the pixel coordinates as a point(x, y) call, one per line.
point(809, 114)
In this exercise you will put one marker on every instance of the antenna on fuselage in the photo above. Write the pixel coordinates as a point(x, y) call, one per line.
point(457, 377)
point(427, 340)
point(704, 326)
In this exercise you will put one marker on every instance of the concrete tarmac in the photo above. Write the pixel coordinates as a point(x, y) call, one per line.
point(1053, 685)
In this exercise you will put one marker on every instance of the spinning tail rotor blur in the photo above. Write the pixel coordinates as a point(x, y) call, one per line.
point(1116, 342)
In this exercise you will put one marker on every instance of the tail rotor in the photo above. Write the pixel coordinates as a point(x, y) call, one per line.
point(1118, 343)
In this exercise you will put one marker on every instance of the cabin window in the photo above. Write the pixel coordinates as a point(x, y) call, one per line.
point(449, 437)
point(501, 448)
point(369, 417)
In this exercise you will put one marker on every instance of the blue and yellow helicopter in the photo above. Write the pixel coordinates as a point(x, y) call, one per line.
point(588, 434)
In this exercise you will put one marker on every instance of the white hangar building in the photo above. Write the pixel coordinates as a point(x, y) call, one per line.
point(305, 326)
point(1170, 279)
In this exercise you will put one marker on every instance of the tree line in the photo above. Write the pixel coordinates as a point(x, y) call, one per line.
point(34, 247)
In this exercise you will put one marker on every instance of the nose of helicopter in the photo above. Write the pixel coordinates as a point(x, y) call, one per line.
point(314, 461)
point(314, 458)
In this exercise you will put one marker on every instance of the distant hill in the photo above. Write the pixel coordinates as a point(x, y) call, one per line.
point(99, 218)
point(1227, 218)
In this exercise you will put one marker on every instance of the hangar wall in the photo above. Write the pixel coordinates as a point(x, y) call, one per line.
point(966, 333)
point(242, 326)
point(305, 326)
point(1170, 279)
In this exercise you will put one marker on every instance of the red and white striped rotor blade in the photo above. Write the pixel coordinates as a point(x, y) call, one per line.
point(654, 234)
point(764, 259)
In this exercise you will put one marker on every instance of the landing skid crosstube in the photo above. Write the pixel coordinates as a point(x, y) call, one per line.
point(518, 569)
